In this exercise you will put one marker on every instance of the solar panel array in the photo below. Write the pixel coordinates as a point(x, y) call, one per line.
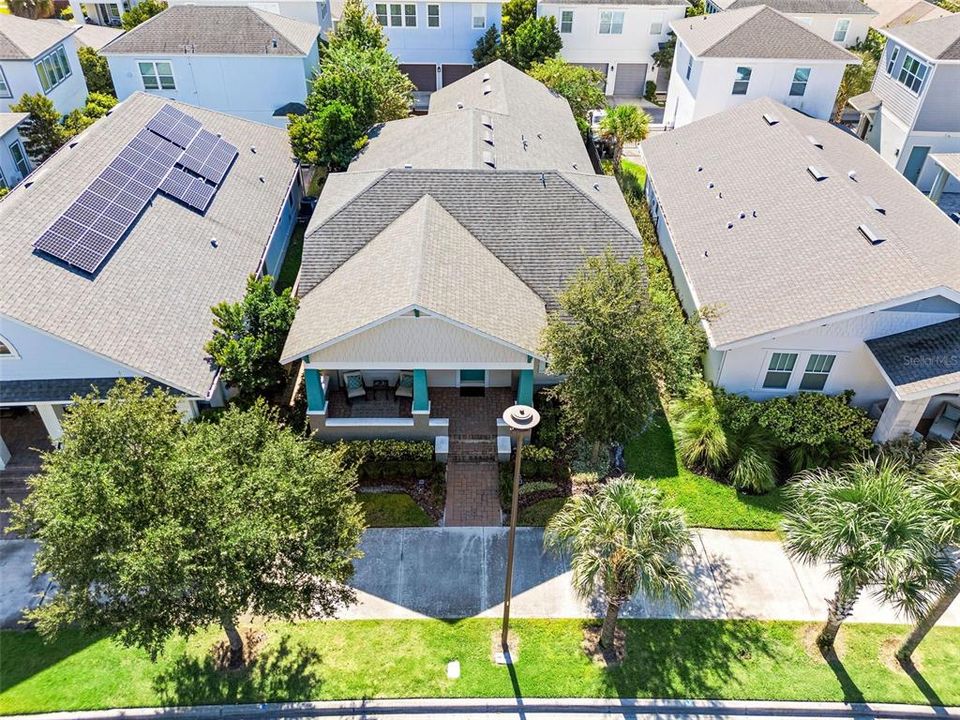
point(159, 157)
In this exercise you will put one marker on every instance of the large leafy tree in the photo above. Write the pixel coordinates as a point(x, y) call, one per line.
point(359, 27)
point(621, 540)
point(606, 341)
point(150, 526)
point(513, 13)
point(96, 71)
point(43, 132)
point(534, 40)
point(856, 79)
point(487, 48)
point(582, 87)
point(141, 12)
point(331, 138)
point(868, 522)
point(32, 9)
point(941, 489)
point(623, 124)
point(98, 105)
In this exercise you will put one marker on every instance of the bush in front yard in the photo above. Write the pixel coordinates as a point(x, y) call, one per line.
point(543, 474)
point(387, 460)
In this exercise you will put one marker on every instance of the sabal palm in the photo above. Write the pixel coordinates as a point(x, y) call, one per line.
point(869, 523)
point(941, 487)
point(624, 123)
point(622, 539)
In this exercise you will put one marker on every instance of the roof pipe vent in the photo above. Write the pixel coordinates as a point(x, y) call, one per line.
point(407, 166)
point(770, 119)
point(852, 175)
point(816, 173)
point(459, 106)
point(813, 141)
point(875, 205)
point(870, 235)
point(274, 43)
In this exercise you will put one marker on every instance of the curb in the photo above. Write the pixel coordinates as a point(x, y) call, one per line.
point(533, 706)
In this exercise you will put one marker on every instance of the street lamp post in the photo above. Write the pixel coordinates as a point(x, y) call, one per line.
point(521, 419)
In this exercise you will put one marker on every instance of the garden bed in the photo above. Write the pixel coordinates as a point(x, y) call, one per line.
point(387, 508)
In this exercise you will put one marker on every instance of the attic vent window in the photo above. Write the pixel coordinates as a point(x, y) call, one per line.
point(770, 119)
point(489, 159)
point(816, 173)
point(487, 89)
point(813, 141)
point(486, 122)
point(488, 136)
point(875, 205)
point(870, 235)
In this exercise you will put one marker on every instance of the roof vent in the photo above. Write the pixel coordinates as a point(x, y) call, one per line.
point(596, 186)
point(870, 235)
point(770, 119)
point(486, 77)
point(489, 159)
point(710, 186)
point(487, 89)
point(486, 122)
point(813, 141)
point(262, 179)
point(407, 166)
point(214, 243)
point(816, 173)
point(852, 175)
point(488, 136)
point(743, 216)
point(699, 168)
point(274, 43)
point(459, 106)
point(253, 149)
point(543, 179)
point(729, 226)
point(574, 166)
point(875, 205)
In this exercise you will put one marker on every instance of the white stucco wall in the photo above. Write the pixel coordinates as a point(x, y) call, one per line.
point(11, 174)
point(824, 25)
point(938, 143)
point(22, 78)
point(251, 87)
point(451, 43)
point(310, 11)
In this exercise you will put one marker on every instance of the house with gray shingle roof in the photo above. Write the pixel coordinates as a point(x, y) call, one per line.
point(38, 56)
point(813, 256)
point(843, 22)
point(726, 59)
point(15, 164)
point(430, 265)
point(145, 311)
point(229, 58)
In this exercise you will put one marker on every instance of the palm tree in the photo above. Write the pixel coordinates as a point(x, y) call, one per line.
point(622, 539)
point(870, 524)
point(624, 123)
point(942, 490)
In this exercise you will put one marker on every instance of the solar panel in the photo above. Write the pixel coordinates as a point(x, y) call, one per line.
point(174, 125)
point(190, 190)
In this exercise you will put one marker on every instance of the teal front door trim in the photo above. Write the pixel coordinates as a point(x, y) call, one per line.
point(316, 400)
point(421, 399)
point(473, 377)
point(918, 155)
point(525, 388)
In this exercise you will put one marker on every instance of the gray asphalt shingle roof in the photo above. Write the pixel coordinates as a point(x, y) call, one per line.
point(805, 7)
point(61, 390)
point(949, 162)
point(922, 359)
point(801, 258)
point(24, 39)
point(90, 35)
point(148, 307)
point(217, 30)
point(755, 32)
point(9, 120)
point(891, 13)
point(938, 39)
point(653, 3)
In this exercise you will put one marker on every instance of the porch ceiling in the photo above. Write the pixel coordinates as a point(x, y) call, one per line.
point(921, 362)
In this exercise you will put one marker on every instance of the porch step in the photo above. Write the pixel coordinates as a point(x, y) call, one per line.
point(473, 449)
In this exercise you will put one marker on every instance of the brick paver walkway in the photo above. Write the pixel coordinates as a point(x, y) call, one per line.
point(472, 497)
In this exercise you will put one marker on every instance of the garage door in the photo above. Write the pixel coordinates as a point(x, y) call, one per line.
point(452, 73)
point(424, 77)
point(602, 67)
point(631, 79)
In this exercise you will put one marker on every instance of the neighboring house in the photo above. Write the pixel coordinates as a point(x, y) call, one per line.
point(315, 12)
point(891, 13)
point(37, 56)
point(824, 269)
point(913, 108)
point(726, 59)
point(234, 59)
point(434, 42)
point(15, 164)
point(93, 36)
point(430, 265)
point(618, 40)
point(104, 276)
point(101, 13)
point(844, 22)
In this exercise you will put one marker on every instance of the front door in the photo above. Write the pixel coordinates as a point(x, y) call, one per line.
point(918, 156)
point(472, 382)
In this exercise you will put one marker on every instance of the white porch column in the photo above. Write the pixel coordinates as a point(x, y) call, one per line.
point(187, 409)
point(4, 454)
point(900, 417)
point(51, 420)
point(939, 183)
point(77, 8)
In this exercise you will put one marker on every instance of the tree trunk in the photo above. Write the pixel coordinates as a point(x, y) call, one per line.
point(839, 609)
point(236, 642)
point(617, 157)
point(595, 452)
point(609, 624)
point(926, 623)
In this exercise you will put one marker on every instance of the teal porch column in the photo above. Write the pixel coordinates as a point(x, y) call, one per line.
point(316, 400)
point(421, 398)
point(525, 388)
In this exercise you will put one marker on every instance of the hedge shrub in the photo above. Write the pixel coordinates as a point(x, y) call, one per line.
point(390, 459)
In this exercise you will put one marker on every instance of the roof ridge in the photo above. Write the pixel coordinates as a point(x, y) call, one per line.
point(600, 207)
point(749, 13)
point(283, 18)
point(427, 203)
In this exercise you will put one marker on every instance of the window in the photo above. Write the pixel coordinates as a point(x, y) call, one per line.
point(433, 16)
point(689, 66)
point(53, 69)
point(157, 75)
point(20, 158)
point(818, 368)
point(4, 88)
point(656, 28)
point(840, 31)
point(6, 349)
point(3, 184)
point(912, 73)
point(396, 15)
point(779, 371)
point(894, 54)
point(711, 8)
point(566, 21)
point(799, 85)
point(611, 22)
point(742, 82)
point(410, 15)
point(479, 14)
point(381, 11)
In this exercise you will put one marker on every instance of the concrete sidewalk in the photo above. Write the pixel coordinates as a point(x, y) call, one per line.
point(459, 572)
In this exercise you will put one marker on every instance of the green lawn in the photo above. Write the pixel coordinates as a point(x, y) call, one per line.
point(291, 261)
point(706, 502)
point(407, 658)
point(393, 510)
point(637, 171)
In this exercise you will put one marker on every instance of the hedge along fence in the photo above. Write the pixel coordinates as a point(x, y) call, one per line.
point(377, 460)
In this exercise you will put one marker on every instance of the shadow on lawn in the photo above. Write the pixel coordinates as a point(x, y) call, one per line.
point(25, 653)
point(921, 682)
point(284, 671)
point(653, 453)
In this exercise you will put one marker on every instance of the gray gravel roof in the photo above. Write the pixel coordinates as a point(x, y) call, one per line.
point(148, 307)
point(217, 30)
point(755, 32)
point(24, 39)
point(920, 360)
point(802, 258)
point(806, 7)
point(938, 39)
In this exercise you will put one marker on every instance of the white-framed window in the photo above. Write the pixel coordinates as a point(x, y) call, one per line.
point(4, 87)
point(410, 15)
point(156, 75)
point(478, 13)
point(892, 59)
point(840, 31)
point(689, 66)
point(3, 184)
point(6, 349)
point(779, 370)
point(20, 158)
point(712, 8)
point(380, 10)
point(566, 21)
point(801, 76)
point(433, 16)
point(656, 28)
point(53, 68)
point(912, 73)
point(816, 372)
point(396, 14)
point(611, 22)
point(742, 81)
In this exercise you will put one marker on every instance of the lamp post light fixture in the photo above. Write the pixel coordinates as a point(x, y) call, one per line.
point(521, 420)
